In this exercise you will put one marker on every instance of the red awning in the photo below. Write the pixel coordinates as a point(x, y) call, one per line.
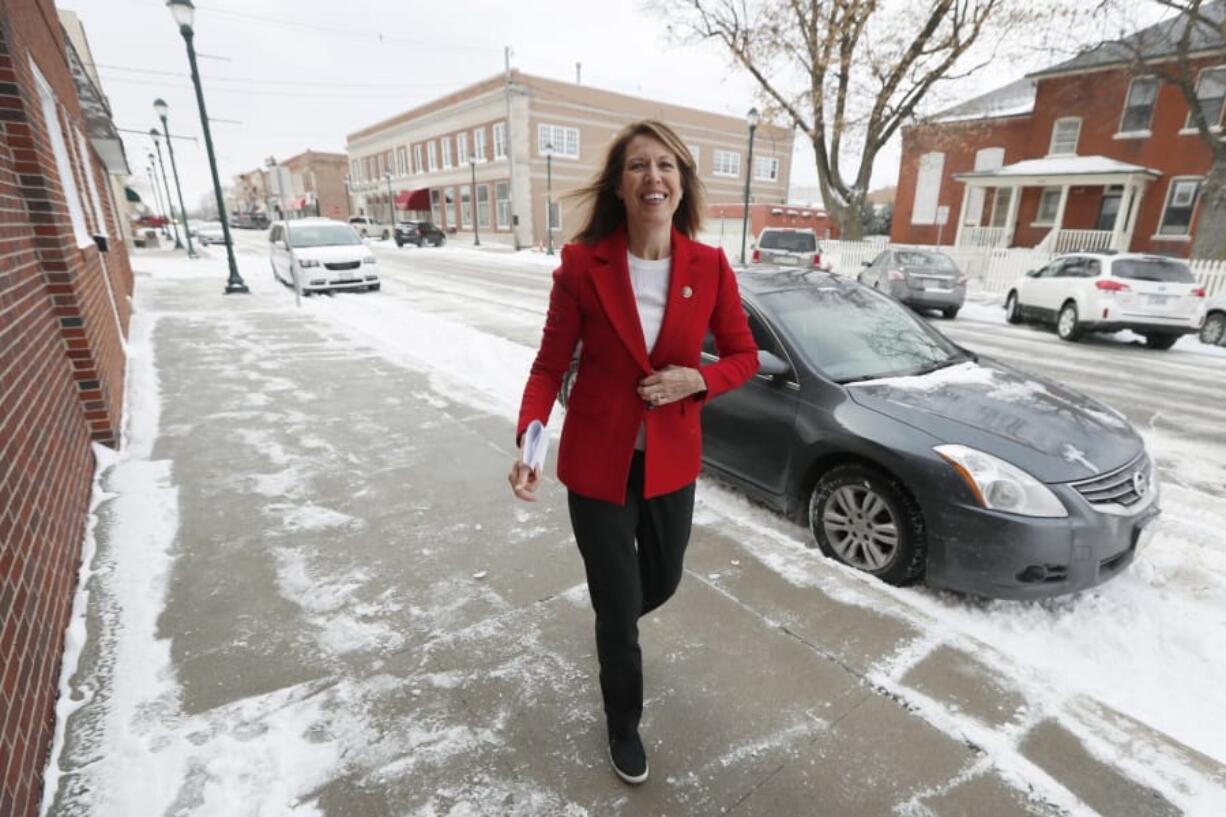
point(413, 199)
point(298, 204)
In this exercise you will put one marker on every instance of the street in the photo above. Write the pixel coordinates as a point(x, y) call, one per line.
point(313, 594)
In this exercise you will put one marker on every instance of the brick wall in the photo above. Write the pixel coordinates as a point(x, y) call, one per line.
point(61, 386)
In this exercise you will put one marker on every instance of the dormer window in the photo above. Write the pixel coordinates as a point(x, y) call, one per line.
point(1064, 135)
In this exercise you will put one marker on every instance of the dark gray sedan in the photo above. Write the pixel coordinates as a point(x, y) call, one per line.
point(909, 456)
point(921, 279)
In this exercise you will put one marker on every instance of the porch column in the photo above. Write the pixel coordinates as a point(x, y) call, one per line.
point(966, 195)
point(1015, 193)
point(1137, 192)
point(1121, 217)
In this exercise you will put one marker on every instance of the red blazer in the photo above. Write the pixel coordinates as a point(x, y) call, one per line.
point(592, 301)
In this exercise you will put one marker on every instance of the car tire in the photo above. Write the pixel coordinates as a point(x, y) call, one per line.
point(1068, 323)
point(373, 287)
point(386, 235)
point(1013, 312)
point(399, 243)
point(853, 506)
point(1214, 330)
point(1160, 341)
point(950, 313)
point(442, 239)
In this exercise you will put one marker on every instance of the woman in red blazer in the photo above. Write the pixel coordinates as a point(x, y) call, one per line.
point(641, 295)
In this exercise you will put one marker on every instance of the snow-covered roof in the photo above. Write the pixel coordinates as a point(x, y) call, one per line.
point(1062, 166)
point(1014, 99)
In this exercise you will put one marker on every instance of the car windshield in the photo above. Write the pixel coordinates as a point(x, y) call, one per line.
point(916, 258)
point(322, 235)
point(851, 333)
point(1153, 269)
point(791, 242)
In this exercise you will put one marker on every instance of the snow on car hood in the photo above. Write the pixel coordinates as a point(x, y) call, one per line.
point(1056, 434)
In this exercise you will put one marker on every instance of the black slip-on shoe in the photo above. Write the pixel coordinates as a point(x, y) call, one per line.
point(629, 758)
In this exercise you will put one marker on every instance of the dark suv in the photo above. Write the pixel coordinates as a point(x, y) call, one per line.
point(420, 233)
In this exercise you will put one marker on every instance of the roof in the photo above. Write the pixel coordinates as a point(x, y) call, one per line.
point(1014, 99)
point(1060, 166)
point(1155, 42)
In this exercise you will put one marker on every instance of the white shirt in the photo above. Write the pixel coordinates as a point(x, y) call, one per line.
point(649, 280)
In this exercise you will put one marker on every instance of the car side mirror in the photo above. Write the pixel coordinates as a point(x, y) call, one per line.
point(866, 263)
point(771, 364)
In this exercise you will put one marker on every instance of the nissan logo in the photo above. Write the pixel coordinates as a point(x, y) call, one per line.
point(1139, 483)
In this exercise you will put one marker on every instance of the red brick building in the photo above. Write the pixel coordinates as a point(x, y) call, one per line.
point(64, 309)
point(724, 219)
point(1087, 154)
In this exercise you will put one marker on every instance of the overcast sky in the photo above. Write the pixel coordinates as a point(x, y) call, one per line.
point(299, 74)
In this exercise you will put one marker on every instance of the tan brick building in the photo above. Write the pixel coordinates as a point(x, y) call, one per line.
point(416, 161)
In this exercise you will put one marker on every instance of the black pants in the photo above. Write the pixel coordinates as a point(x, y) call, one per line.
point(627, 581)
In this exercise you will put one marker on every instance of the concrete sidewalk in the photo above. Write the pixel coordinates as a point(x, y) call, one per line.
point(357, 619)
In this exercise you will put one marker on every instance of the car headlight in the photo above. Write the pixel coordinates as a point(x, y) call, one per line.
point(370, 259)
point(1000, 486)
point(306, 263)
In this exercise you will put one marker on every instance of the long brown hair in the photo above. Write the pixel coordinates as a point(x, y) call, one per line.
point(605, 212)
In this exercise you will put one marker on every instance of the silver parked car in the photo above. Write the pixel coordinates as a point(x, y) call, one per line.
point(787, 247)
point(921, 279)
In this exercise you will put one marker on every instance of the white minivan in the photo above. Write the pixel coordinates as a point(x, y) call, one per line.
point(325, 254)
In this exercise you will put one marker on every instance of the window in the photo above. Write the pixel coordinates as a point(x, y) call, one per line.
point(927, 188)
point(461, 147)
point(367, 175)
point(466, 207)
point(555, 216)
point(1180, 202)
point(418, 167)
point(726, 163)
point(1109, 207)
point(87, 169)
point(565, 141)
point(446, 152)
point(479, 144)
point(63, 165)
point(436, 212)
point(432, 154)
point(1210, 90)
point(449, 198)
point(402, 161)
point(986, 159)
point(389, 162)
point(1049, 206)
point(1139, 104)
point(500, 140)
point(1064, 133)
point(483, 206)
point(696, 152)
point(355, 171)
point(1000, 206)
point(502, 205)
point(766, 169)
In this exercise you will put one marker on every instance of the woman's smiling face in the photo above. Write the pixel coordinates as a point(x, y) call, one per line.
point(650, 185)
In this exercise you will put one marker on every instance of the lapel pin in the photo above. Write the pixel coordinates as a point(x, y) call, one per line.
point(686, 292)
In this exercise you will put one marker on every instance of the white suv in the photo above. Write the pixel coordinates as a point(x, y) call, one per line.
point(320, 254)
point(368, 227)
point(1154, 296)
point(1213, 332)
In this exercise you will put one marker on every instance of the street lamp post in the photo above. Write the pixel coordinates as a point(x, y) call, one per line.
point(472, 164)
point(391, 204)
point(160, 106)
point(157, 196)
point(170, 208)
point(549, 195)
point(751, 119)
point(183, 11)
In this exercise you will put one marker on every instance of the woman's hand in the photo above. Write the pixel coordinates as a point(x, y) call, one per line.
point(524, 480)
point(670, 384)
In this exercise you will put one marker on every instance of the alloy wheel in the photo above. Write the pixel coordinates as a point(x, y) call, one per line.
point(861, 527)
point(1214, 330)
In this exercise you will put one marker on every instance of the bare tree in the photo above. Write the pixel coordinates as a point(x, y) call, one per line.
point(850, 73)
point(1172, 52)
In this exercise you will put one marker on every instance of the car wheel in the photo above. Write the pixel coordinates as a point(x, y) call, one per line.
point(867, 520)
point(1160, 341)
point(399, 243)
point(1013, 313)
point(1068, 327)
point(950, 312)
point(441, 241)
point(385, 235)
point(1214, 330)
point(373, 287)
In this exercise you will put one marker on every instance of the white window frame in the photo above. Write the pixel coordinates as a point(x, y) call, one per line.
point(726, 163)
point(482, 209)
point(560, 137)
point(418, 165)
point(355, 171)
point(1055, 130)
point(402, 161)
point(696, 152)
point(446, 149)
point(768, 161)
point(1039, 220)
point(87, 167)
point(929, 174)
point(553, 213)
point(479, 145)
point(466, 206)
point(1176, 181)
point(63, 164)
point(500, 140)
point(1189, 125)
point(502, 206)
point(432, 155)
point(1153, 106)
point(985, 159)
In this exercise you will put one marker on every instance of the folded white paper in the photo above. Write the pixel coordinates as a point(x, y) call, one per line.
point(536, 445)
